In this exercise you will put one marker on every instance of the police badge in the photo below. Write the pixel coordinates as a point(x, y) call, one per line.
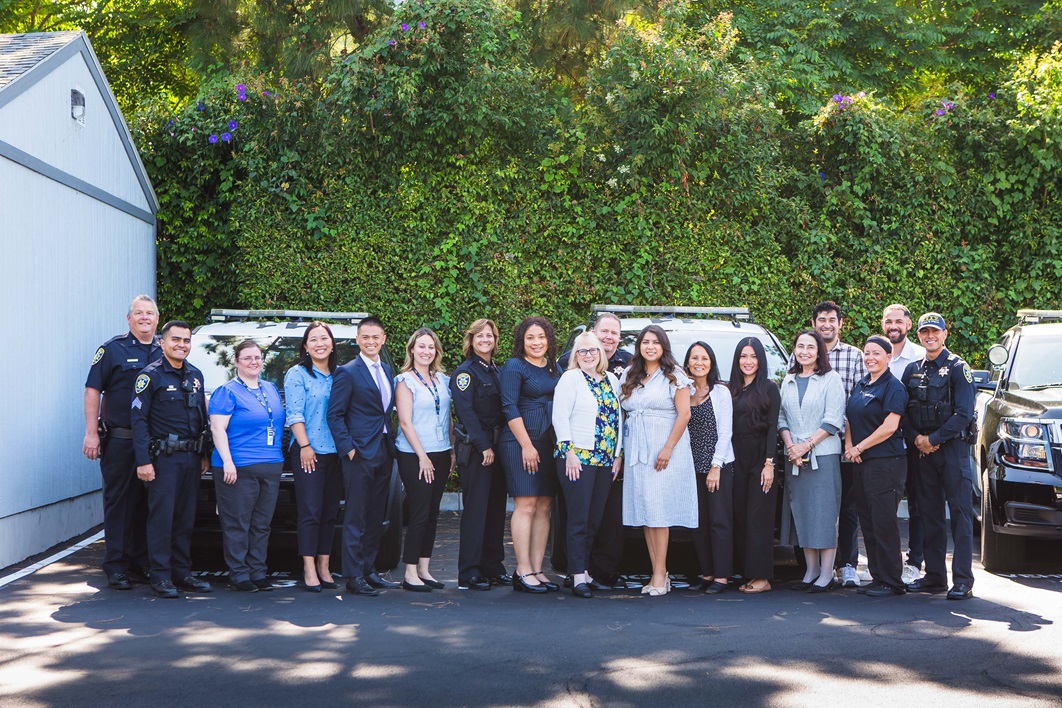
point(463, 381)
point(142, 382)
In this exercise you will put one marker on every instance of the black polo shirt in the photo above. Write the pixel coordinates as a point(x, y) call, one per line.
point(869, 405)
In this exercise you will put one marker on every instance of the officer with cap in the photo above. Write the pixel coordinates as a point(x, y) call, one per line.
point(939, 410)
point(169, 417)
point(109, 438)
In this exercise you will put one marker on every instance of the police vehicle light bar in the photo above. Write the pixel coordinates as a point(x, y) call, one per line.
point(1039, 316)
point(738, 313)
point(294, 315)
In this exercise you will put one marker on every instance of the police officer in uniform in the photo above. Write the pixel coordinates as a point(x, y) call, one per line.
point(169, 418)
point(607, 551)
point(476, 391)
point(109, 438)
point(939, 410)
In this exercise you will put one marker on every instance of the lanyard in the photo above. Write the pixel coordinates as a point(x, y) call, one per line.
point(431, 389)
point(263, 399)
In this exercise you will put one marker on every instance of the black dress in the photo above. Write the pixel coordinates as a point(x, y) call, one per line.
point(527, 393)
point(754, 511)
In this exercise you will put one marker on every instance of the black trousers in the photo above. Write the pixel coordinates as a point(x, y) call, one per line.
point(424, 499)
point(317, 496)
point(916, 533)
point(124, 508)
point(171, 515)
point(713, 539)
point(585, 500)
point(483, 496)
point(879, 485)
point(848, 523)
point(944, 477)
point(753, 512)
point(366, 482)
point(607, 549)
point(245, 510)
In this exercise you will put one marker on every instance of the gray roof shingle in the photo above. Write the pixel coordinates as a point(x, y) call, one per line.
point(21, 52)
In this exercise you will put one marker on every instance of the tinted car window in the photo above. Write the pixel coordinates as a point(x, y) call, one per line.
point(722, 343)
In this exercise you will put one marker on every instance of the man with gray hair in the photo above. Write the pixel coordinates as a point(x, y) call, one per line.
point(109, 439)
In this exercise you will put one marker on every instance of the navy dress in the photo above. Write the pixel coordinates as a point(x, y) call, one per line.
point(527, 392)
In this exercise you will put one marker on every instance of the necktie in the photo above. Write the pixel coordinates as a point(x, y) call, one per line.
point(377, 371)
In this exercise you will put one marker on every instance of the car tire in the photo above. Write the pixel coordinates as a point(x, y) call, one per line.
point(390, 552)
point(1000, 553)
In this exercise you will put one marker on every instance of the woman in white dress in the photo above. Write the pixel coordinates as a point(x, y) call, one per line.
point(660, 488)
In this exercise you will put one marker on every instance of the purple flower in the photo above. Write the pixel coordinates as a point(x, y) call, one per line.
point(212, 139)
point(226, 136)
point(422, 25)
point(992, 94)
point(240, 88)
point(199, 106)
point(232, 125)
point(837, 98)
point(265, 93)
point(390, 42)
point(940, 111)
point(242, 97)
point(405, 27)
point(948, 105)
point(846, 100)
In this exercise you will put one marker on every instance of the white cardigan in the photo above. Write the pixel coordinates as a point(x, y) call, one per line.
point(575, 410)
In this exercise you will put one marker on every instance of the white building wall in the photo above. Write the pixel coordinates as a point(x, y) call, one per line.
point(38, 122)
point(70, 265)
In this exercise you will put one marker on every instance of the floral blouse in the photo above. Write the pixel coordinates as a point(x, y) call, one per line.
point(606, 427)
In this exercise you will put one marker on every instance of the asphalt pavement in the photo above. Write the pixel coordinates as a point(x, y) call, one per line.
point(68, 640)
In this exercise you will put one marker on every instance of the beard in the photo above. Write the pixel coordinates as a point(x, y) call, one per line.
point(896, 336)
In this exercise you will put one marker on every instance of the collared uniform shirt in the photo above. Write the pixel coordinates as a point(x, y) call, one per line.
point(476, 391)
point(868, 407)
point(911, 352)
point(113, 372)
point(166, 401)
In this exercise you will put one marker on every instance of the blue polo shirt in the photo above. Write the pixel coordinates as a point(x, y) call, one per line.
point(869, 405)
point(249, 422)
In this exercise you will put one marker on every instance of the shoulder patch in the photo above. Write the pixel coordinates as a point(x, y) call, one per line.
point(142, 382)
point(966, 373)
point(463, 381)
point(98, 356)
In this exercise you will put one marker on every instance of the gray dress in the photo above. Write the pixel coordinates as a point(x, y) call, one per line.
point(651, 498)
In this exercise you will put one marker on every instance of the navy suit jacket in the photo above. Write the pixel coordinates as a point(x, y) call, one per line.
point(355, 415)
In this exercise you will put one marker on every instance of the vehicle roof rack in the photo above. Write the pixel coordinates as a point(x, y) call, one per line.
point(1039, 316)
point(738, 314)
point(293, 315)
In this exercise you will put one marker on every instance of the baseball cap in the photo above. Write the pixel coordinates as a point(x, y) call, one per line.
point(931, 319)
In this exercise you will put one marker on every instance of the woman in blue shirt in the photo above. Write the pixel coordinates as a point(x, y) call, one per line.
point(312, 456)
point(425, 451)
point(246, 420)
point(874, 443)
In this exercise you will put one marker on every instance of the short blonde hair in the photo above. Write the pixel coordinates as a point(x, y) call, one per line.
point(474, 329)
point(588, 340)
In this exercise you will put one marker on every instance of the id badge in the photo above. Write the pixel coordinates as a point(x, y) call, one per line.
point(438, 431)
point(270, 435)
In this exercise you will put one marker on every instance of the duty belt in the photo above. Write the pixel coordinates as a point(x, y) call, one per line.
point(172, 444)
point(116, 432)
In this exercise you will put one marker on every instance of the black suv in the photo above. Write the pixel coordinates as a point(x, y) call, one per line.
point(1019, 445)
point(720, 327)
point(279, 333)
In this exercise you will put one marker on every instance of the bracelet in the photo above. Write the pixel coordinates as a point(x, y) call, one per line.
point(303, 447)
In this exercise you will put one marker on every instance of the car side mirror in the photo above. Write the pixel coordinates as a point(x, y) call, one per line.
point(998, 354)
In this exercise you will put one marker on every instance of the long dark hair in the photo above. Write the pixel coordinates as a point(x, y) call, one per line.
point(551, 340)
point(822, 363)
point(636, 372)
point(755, 394)
point(304, 356)
point(713, 373)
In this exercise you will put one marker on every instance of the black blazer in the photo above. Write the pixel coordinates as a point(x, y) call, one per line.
point(355, 415)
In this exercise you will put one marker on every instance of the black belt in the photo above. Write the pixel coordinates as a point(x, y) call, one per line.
point(116, 432)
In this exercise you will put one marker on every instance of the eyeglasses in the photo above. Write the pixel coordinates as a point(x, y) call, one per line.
point(585, 352)
point(250, 359)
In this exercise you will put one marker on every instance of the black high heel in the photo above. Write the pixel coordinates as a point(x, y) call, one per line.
point(550, 586)
point(520, 586)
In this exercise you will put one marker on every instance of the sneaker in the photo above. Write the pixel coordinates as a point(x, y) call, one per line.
point(849, 577)
point(910, 574)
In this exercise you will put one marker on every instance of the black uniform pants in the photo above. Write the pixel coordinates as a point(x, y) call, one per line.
point(366, 481)
point(482, 519)
point(424, 499)
point(941, 480)
point(848, 522)
point(584, 500)
point(754, 514)
point(713, 539)
point(171, 515)
point(124, 508)
point(608, 541)
point(317, 496)
point(915, 531)
point(245, 510)
point(879, 485)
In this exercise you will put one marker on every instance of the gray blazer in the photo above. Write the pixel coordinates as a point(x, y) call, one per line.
point(823, 405)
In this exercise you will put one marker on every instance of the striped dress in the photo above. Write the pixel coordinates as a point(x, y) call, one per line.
point(651, 498)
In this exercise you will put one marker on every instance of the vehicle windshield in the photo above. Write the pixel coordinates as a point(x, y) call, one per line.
point(722, 343)
point(1036, 363)
point(212, 354)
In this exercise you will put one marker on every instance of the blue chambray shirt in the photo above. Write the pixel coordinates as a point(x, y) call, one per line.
point(306, 401)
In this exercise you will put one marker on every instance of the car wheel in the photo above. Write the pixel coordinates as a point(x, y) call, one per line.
point(1000, 552)
point(391, 542)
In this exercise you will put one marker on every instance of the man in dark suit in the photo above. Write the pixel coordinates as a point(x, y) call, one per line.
point(359, 416)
